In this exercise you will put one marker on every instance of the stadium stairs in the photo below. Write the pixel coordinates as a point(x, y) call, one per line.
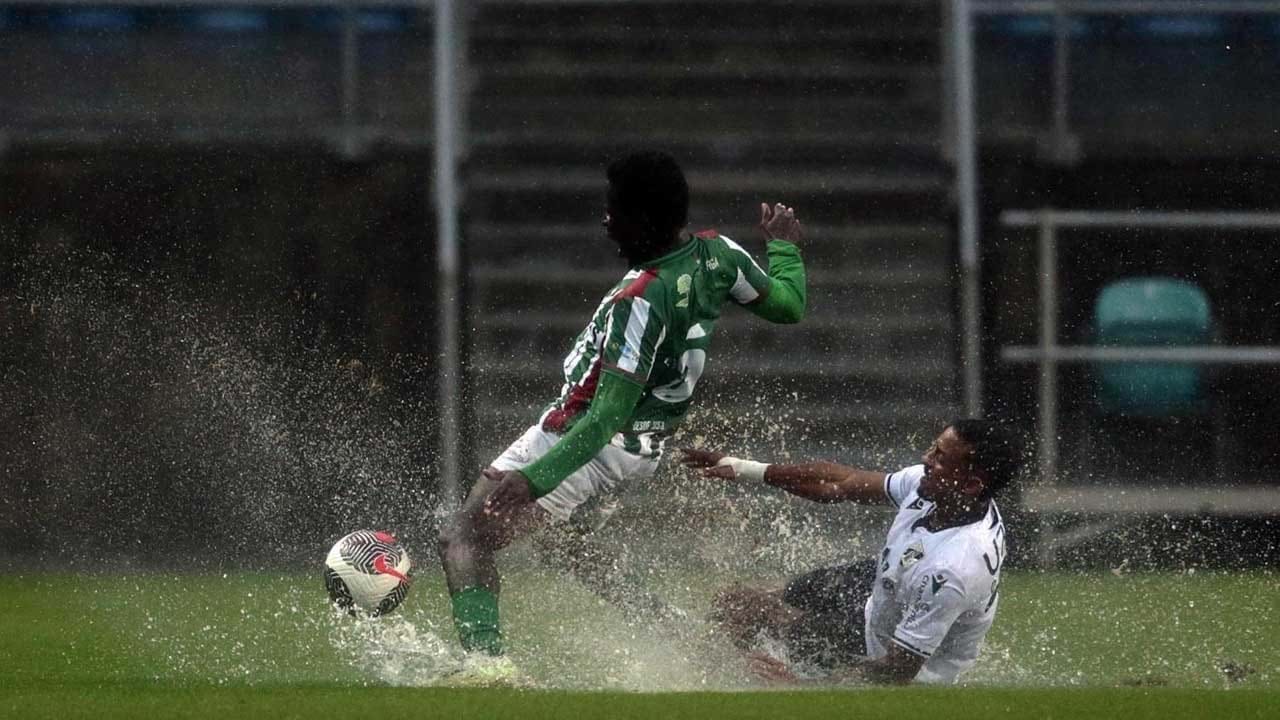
point(832, 107)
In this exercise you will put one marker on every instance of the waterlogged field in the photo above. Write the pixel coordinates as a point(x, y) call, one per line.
point(1064, 645)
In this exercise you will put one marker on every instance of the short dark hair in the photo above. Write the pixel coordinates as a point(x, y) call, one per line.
point(650, 186)
point(995, 450)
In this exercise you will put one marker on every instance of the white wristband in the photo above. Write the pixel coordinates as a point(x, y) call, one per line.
point(745, 469)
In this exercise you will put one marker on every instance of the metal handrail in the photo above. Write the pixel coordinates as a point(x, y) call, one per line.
point(1164, 220)
point(265, 4)
point(1048, 354)
point(964, 124)
point(1197, 354)
point(1123, 7)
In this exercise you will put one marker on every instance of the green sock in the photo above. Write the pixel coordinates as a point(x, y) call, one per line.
point(475, 614)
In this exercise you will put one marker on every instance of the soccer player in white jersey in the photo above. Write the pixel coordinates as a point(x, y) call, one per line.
point(629, 378)
point(922, 609)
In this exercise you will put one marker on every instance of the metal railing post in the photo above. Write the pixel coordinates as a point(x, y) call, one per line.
point(967, 195)
point(448, 263)
point(350, 90)
point(1062, 145)
point(1048, 343)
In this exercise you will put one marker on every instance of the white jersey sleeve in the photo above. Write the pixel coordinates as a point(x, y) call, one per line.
point(901, 485)
point(751, 280)
point(939, 600)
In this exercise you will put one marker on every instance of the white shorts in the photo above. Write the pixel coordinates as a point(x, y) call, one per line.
point(599, 479)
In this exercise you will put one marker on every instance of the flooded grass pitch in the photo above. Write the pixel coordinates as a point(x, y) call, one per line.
point(177, 432)
point(1166, 630)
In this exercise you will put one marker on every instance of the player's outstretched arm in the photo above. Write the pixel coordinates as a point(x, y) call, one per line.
point(784, 299)
point(823, 482)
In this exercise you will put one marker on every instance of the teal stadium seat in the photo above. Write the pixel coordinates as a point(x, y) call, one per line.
point(1152, 311)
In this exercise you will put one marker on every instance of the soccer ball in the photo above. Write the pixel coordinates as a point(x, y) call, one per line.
point(367, 571)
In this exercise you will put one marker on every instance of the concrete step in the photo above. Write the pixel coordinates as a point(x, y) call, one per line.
point(721, 208)
point(853, 246)
point(509, 39)
point(897, 149)
point(501, 237)
point(883, 299)
point(747, 378)
point(576, 81)
point(637, 113)
point(817, 338)
point(582, 180)
point(828, 196)
point(555, 280)
point(681, 21)
point(734, 323)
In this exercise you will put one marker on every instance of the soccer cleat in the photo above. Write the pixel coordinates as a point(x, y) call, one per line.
point(482, 670)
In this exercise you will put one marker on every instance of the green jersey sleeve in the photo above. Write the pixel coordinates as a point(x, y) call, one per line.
point(615, 399)
point(786, 297)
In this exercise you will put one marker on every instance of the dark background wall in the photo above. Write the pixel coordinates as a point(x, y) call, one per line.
point(211, 349)
point(216, 314)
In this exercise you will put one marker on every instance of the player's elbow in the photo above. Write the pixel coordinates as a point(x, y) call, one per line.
point(792, 316)
point(789, 312)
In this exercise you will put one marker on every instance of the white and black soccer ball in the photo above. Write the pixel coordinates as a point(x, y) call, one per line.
point(367, 571)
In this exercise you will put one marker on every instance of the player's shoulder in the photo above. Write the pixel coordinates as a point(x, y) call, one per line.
point(901, 485)
point(716, 243)
point(640, 283)
point(911, 472)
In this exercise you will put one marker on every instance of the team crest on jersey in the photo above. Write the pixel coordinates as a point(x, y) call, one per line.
point(913, 554)
point(938, 581)
point(683, 283)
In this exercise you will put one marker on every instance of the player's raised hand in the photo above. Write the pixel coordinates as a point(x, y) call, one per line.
point(779, 223)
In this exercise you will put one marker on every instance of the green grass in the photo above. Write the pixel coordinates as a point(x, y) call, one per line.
point(1064, 646)
point(280, 703)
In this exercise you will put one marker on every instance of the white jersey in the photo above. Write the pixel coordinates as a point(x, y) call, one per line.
point(935, 593)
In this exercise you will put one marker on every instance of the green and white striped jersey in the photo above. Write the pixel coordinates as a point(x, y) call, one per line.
point(654, 327)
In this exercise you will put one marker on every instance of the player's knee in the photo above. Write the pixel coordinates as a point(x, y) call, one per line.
point(445, 540)
point(468, 532)
point(453, 535)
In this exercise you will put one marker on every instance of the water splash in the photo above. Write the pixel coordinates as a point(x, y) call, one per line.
point(393, 650)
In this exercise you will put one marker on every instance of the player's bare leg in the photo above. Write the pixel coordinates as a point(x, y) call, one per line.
point(468, 548)
point(744, 612)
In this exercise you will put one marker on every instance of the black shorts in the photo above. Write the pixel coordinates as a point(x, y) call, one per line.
point(832, 630)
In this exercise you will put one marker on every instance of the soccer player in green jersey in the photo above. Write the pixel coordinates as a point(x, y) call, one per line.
point(628, 380)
